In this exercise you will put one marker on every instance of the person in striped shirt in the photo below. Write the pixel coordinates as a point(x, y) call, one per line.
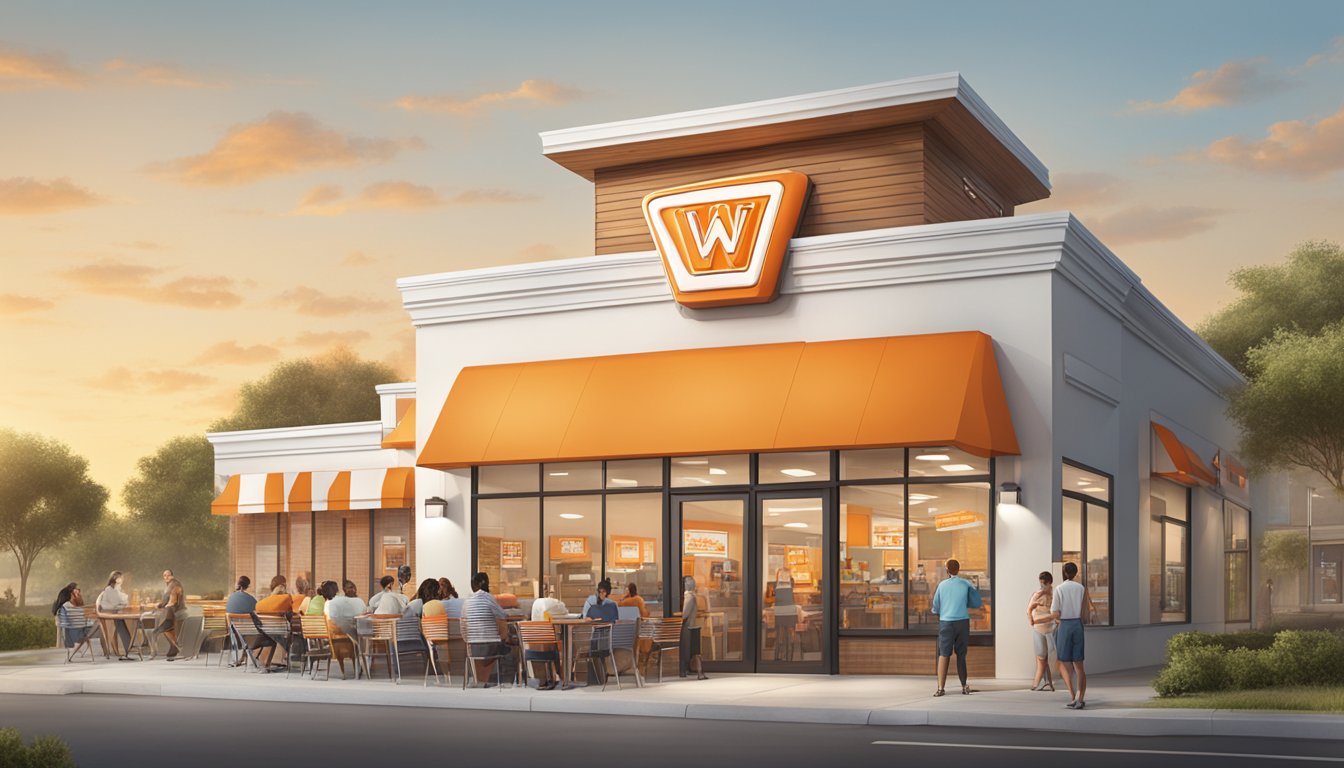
point(486, 626)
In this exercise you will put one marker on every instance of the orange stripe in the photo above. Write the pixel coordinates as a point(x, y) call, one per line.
point(227, 503)
point(936, 389)
point(338, 496)
point(301, 494)
point(274, 500)
point(399, 488)
point(403, 436)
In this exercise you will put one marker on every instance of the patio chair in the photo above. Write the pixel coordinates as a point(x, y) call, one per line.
point(317, 643)
point(69, 622)
point(624, 636)
point(436, 632)
point(540, 645)
point(276, 629)
point(664, 634)
point(248, 639)
point(382, 630)
point(342, 647)
point(592, 643)
point(410, 641)
point(469, 671)
point(215, 628)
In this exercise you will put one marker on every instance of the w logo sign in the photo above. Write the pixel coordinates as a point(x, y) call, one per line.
point(724, 241)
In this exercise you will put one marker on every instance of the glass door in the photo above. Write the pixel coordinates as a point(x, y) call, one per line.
point(795, 624)
point(716, 543)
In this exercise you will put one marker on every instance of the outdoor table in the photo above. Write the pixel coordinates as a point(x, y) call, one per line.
point(139, 635)
point(567, 647)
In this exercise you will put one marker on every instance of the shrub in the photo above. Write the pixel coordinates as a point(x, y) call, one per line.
point(20, 632)
point(1248, 669)
point(1195, 669)
point(1308, 658)
point(45, 751)
point(1185, 641)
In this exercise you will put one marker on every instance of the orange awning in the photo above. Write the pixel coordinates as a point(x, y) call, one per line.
point(1178, 461)
point(391, 488)
point(250, 494)
point(403, 436)
point(936, 389)
point(227, 503)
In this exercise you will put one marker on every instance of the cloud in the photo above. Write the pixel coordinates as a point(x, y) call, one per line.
point(233, 353)
point(14, 304)
point(358, 259)
point(530, 92)
point(319, 339)
point(22, 196)
point(158, 74)
point(1333, 55)
point(156, 380)
point(1142, 224)
point(1291, 147)
point(138, 281)
point(1086, 189)
point(1233, 82)
point(280, 143)
point(328, 200)
point(20, 71)
point(310, 301)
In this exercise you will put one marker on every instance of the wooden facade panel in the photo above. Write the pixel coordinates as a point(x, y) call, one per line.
point(906, 656)
point(945, 195)
point(892, 153)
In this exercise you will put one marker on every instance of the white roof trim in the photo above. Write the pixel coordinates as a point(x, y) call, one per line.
point(397, 388)
point(793, 108)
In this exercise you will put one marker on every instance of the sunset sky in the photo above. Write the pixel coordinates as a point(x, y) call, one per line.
point(189, 195)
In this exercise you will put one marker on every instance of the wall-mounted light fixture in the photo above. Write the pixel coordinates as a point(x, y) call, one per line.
point(436, 507)
point(1010, 493)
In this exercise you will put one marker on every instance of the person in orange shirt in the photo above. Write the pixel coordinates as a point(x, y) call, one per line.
point(279, 601)
point(632, 598)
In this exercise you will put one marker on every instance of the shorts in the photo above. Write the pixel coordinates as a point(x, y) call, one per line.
point(1043, 643)
point(953, 636)
point(1069, 640)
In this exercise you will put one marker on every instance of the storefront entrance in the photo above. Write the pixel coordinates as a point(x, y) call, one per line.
point(762, 578)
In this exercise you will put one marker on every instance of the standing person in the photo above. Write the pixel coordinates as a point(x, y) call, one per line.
point(389, 600)
point(404, 585)
point(952, 601)
point(172, 612)
point(1264, 606)
point(690, 631)
point(786, 615)
point(1067, 607)
point(1043, 631)
point(486, 626)
point(113, 600)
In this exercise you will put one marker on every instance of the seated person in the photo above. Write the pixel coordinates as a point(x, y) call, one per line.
point(342, 609)
point(427, 594)
point(389, 601)
point(633, 600)
point(603, 608)
point(317, 604)
point(485, 628)
point(69, 612)
point(548, 605)
point(281, 603)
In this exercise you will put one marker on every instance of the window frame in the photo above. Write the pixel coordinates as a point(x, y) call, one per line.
point(1087, 502)
point(1230, 506)
point(1165, 520)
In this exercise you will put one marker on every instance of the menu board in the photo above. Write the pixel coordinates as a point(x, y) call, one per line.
point(705, 543)
point(511, 554)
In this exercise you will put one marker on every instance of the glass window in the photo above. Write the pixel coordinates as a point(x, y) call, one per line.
point(1327, 568)
point(875, 464)
point(793, 585)
point(711, 550)
point(635, 473)
point(507, 478)
point(573, 526)
point(945, 462)
point(794, 467)
point(1169, 551)
point(1097, 564)
point(634, 547)
point(952, 523)
point(301, 548)
point(392, 546)
point(872, 557)
point(508, 543)
point(701, 471)
point(1086, 482)
point(1237, 562)
point(1072, 543)
point(573, 476)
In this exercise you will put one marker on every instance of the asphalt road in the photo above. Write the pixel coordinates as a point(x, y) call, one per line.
point(107, 731)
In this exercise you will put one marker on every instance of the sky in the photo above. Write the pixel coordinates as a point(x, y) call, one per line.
point(191, 193)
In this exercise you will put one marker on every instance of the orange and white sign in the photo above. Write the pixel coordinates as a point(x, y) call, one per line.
point(953, 521)
point(723, 242)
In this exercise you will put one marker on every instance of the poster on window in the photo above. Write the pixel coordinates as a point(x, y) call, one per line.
point(511, 554)
point(705, 543)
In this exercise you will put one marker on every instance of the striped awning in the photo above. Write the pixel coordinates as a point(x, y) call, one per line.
point(318, 491)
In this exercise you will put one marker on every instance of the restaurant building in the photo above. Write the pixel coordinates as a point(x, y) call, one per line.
point(813, 355)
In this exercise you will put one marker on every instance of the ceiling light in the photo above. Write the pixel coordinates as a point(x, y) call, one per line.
point(795, 472)
point(773, 514)
point(622, 481)
point(915, 497)
point(571, 515)
point(796, 509)
point(932, 457)
point(692, 462)
point(1095, 489)
point(717, 471)
point(795, 525)
point(559, 474)
point(958, 467)
point(1085, 482)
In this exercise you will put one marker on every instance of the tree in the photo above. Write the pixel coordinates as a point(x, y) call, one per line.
point(335, 388)
point(1283, 552)
point(47, 495)
point(1292, 409)
point(1304, 294)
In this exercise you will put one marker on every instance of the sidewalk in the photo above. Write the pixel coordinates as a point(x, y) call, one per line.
point(1115, 701)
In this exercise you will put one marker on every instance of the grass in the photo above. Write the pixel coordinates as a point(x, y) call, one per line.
point(1293, 699)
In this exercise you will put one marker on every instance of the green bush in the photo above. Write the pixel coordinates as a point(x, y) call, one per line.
point(45, 751)
point(1194, 669)
point(1248, 669)
point(1314, 657)
point(19, 632)
point(1229, 641)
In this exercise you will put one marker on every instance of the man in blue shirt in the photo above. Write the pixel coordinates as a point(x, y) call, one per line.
point(955, 596)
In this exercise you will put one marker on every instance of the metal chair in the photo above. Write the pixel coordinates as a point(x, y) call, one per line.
point(469, 671)
point(410, 639)
point(382, 629)
point(624, 636)
point(664, 634)
point(592, 643)
point(68, 622)
point(540, 645)
point(317, 642)
point(215, 627)
point(279, 632)
point(248, 638)
point(437, 634)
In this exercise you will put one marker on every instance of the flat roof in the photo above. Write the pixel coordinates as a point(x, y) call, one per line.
point(587, 148)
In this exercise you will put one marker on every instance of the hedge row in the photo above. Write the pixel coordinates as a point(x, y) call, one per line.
point(44, 752)
point(19, 632)
point(1200, 663)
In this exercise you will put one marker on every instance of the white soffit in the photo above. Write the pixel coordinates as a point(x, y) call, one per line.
point(894, 93)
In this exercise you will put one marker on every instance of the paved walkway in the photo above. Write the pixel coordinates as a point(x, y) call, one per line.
point(1115, 701)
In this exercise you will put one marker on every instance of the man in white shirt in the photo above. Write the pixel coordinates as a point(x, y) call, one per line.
point(1067, 607)
point(388, 601)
